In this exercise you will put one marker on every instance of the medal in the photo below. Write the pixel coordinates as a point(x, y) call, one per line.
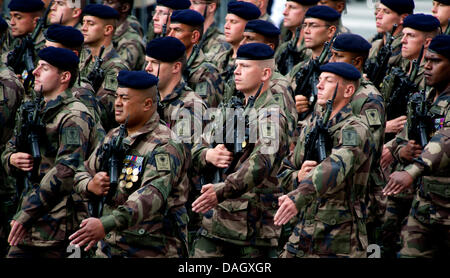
point(129, 185)
point(122, 183)
point(134, 178)
point(129, 171)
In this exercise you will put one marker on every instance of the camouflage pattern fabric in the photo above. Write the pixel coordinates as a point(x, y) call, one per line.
point(214, 42)
point(396, 57)
point(301, 51)
point(130, 46)
point(147, 215)
point(331, 199)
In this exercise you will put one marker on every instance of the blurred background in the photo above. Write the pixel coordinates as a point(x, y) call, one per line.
point(359, 18)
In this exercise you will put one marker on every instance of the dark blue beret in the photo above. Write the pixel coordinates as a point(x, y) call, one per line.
point(421, 22)
point(445, 2)
point(101, 11)
point(65, 35)
point(61, 58)
point(139, 80)
point(255, 51)
point(245, 10)
point(400, 6)
point(3, 25)
point(351, 43)
point(165, 49)
point(347, 71)
point(174, 4)
point(188, 17)
point(262, 27)
point(441, 45)
point(323, 12)
point(305, 2)
point(26, 6)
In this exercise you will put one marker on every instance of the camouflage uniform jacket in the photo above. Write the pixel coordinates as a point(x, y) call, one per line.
point(431, 204)
point(182, 111)
point(147, 215)
point(11, 94)
point(248, 196)
point(204, 78)
point(368, 103)
point(331, 198)
point(46, 210)
point(134, 23)
point(130, 46)
point(396, 57)
point(214, 42)
point(225, 63)
point(302, 53)
point(106, 94)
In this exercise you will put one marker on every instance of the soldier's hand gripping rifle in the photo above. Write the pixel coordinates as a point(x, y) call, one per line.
point(27, 141)
point(376, 70)
point(317, 141)
point(289, 57)
point(419, 122)
point(97, 75)
point(22, 57)
point(306, 79)
point(111, 156)
point(403, 88)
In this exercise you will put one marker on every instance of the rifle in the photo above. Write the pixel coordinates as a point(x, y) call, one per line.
point(22, 57)
point(111, 156)
point(240, 140)
point(289, 55)
point(306, 78)
point(403, 86)
point(164, 27)
point(27, 141)
point(97, 74)
point(418, 118)
point(376, 70)
point(317, 141)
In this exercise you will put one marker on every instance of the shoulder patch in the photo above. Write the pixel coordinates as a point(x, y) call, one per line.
point(111, 83)
point(268, 130)
point(373, 117)
point(162, 162)
point(202, 89)
point(71, 136)
point(349, 137)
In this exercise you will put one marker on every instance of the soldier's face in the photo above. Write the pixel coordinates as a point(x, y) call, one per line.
point(93, 30)
point(152, 65)
point(182, 32)
point(115, 4)
point(128, 102)
point(234, 29)
point(437, 70)
point(250, 37)
point(61, 12)
point(22, 23)
point(161, 16)
point(47, 77)
point(294, 14)
point(341, 56)
point(326, 86)
point(412, 42)
point(248, 75)
point(386, 18)
point(441, 12)
point(315, 32)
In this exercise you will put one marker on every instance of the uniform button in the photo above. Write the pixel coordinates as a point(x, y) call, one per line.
point(333, 221)
point(300, 253)
point(141, 231)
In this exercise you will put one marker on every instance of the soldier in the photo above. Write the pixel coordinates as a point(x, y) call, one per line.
point(239, 13)
point(11, 94)
point(330, 195)
point(127, 5)
point(341, 7)
point(391, 12)
point(418, 30)
point(201, 76)
point(294, 14)
point(67, 13)
point(44, 220)
point(238, 212)
point(128, 43)
point(426, 233)
point(262, 6)
point(213, 40)
point(159, 25)
point(368, 103)
point(147, 215)
point(441, 10)
point(99, 23)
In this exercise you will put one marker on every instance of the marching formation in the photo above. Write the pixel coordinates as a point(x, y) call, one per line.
point(182, 141)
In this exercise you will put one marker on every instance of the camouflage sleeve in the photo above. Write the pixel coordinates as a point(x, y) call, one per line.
point(268, 149)
point(328, 177)
point(164, 166)
point(133, 54)
point(288, 173)
point(395, 145)
point(73, 138)
point(188, 122)
point(435, 156)
point(209, 86)
point(374, 112)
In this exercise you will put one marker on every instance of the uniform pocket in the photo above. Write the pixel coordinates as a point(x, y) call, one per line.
point(332, 233)
point(230, 219)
